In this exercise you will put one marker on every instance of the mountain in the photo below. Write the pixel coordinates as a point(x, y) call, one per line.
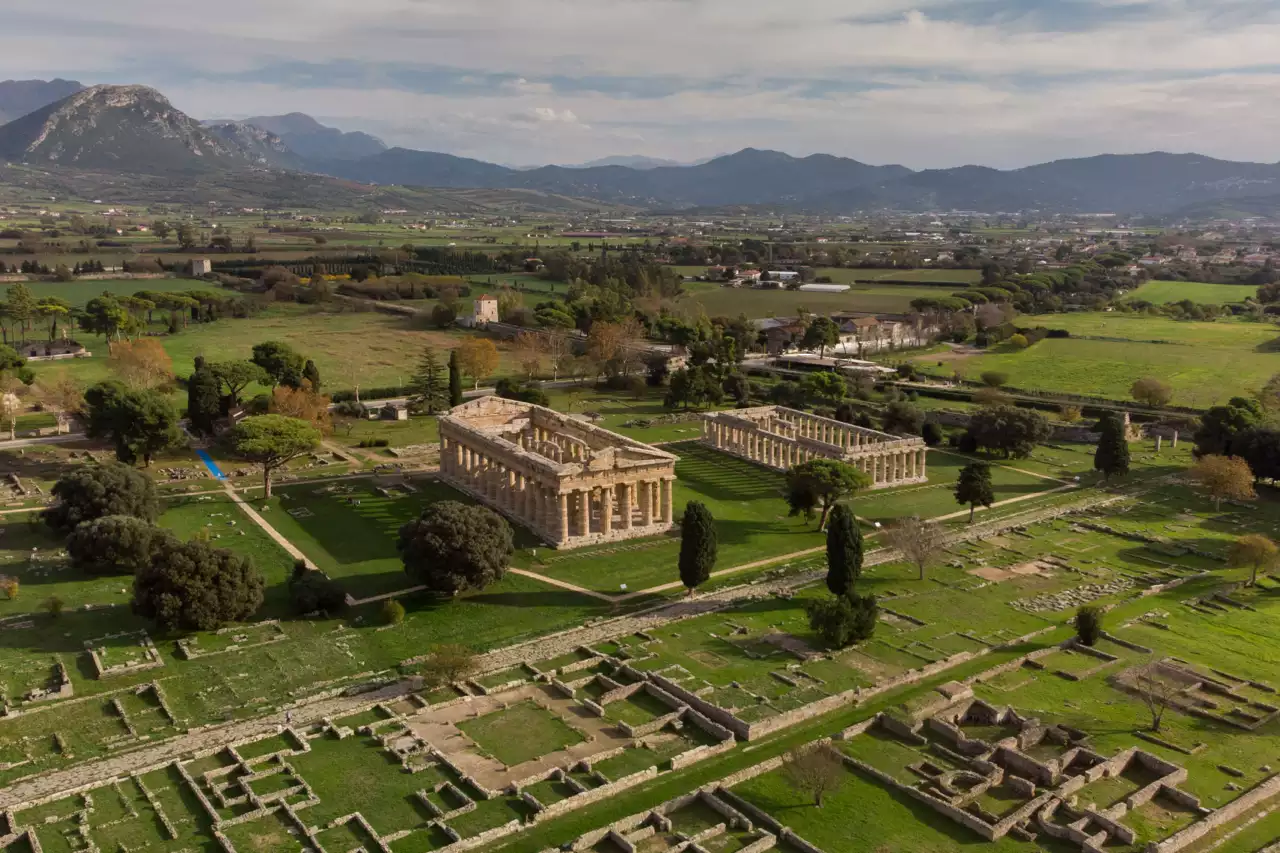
point(123, 129)
point(265, 148)
point(747, 177)
point(19, 97)
point(631, 161)
point(311, 139)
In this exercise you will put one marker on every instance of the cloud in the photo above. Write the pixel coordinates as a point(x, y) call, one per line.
point(926, 82)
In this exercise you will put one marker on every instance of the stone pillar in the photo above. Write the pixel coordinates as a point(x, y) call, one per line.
point(584, 512)
point(1159, 441)
point(625, 507)
point(562, 516)
point(1175, 439)
point(646, 503)
point(668, 496)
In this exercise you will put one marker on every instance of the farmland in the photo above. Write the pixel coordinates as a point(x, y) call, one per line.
point(1161, 292)
point(1206, 363)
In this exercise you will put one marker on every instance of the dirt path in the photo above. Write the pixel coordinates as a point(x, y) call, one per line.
point(267, 528)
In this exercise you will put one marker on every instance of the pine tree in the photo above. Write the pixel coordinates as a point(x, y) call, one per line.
point(844, 551)
point(1112, 455)
point(455, 380)
point(697, 545)
point(428, 385)
point(974, 487)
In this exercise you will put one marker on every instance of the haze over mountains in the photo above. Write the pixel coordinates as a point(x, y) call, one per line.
point(134, 129)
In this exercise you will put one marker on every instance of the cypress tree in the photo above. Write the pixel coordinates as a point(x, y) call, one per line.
point(697, 545)
point(204, 399)
point(1112, 455)
point(428, 387)
point(974, 487)
point(311, 373)
point(844, 551)
point(455, 380)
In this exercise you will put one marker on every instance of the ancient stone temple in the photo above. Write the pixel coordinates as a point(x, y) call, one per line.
point(570, 482)
point(780, 438)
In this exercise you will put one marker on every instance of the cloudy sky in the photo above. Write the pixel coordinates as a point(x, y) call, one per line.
point(925, 83)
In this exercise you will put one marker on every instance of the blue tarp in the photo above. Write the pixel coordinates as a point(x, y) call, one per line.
point(211, 465)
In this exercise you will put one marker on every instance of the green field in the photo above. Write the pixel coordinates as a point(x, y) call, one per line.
point(369, 349)
point(1161, 292)
point(80, 292)
point(1206, 363)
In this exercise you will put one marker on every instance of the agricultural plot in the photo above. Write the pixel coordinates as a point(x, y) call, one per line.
point(1200, 292)
point(1205, 363)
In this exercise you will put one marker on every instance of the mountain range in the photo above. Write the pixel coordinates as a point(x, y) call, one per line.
point(135, 130)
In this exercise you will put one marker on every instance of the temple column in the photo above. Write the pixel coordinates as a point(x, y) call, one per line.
point(457, 456)
point(606, 510)
point(646, 502)
point(562, 516)
point(625, 504)
point(668, 498)
point(584, 511)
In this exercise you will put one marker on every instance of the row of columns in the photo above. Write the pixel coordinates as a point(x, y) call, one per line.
point(884, 467)
point(561, 515)
point(842, 436)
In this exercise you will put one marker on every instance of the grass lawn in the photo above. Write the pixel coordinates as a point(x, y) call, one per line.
point(1202, 292)
point(520, 733)
point(1206, 363)
point(366, 348)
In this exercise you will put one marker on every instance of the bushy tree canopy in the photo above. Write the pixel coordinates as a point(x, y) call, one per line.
point(116, 544)
point(1008, 430)
point(698, 545)
point(140, 423)
point(973, 487)
point(311, 591)
point(94, 491)
point(271, 441)
point(1112, 454)
point(1222, 424)
point(844, 551)
point(821, 484)
point(453, 547)
point(193, 586)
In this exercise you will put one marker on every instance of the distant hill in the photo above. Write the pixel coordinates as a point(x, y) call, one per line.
point(631, 161)
point(122, 128)
point(264, 147)
point(19, 97)
point(310, 139)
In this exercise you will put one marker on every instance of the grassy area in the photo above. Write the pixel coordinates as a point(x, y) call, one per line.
point(80, 292)
point(370, 349)
point(1206, 363)
point(1202, 292)
point(520, 733)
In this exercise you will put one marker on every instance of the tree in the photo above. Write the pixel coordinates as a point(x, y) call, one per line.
point(1008, 429)
point(448, 664)
point(116, 544)
point(204, 399)
point(693, 386)
point(1112, 454)
point(235, 376)
point(844, 551)
point(453, 547)
point(1260, 447)
point(973, 487)
point(843, 620)
point(1155, 690)
point(302, 404)
point(816, 769)
point(822, 332)
point(282, 364)
point(1088, 624)
point(272, 441)
point(919, 541)
point(312, 591)
point(455, 380)
point(698, 545)
point(21, 307)
point(528, 350)
point(477, 358)
point(443, 315)
point(1151, 392)
point(826, 386)
point(1019, 341)
point(10, 586)
point(932, 433)
point(822, 483)
point(430, 393)
point(903, 418)
point(63, 394)
point(90, 492)
point(193, 586)
point(141, 423)
point(1254, 551)
point(141, 364)
point(1224, 477)
point(311, 374)
point(994, 378)
point(105, 316)
point(1221, 424)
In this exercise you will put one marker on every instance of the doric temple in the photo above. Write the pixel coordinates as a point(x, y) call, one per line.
point(572, 483)
point(780, 438)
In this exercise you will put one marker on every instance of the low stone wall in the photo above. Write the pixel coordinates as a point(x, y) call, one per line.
point(595, 795)
point(1238, 807)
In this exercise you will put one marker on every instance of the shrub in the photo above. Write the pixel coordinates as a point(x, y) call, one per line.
point(392, 612)
point(932, 433)
point(1089, 624)
point(842, 621)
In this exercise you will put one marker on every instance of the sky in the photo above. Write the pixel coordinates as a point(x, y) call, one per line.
point(924, 83)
